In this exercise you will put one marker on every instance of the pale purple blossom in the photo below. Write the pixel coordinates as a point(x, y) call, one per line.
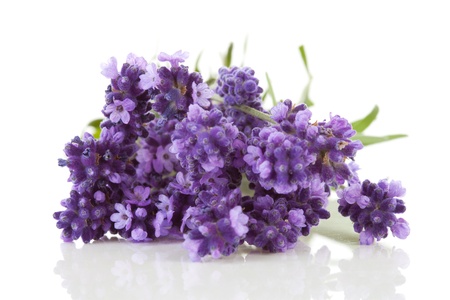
point(400, 229)
point(254, 158)
point(149, 79)
point(165, 204)
point(201, 93)
point(164, 159)
point(302, 119)
point(174, 59)
point(109, 69)
point(122, 218)
point(139, 195)
point(99, 196)
point(192, 247)
point(366, 237)
point(119, 110)
point(138, 61)
point(297, 218)
point(162, 224)
point(238, 220)
point(352, 194)
point(396, 189)
point(114, 177)
point(138, 234)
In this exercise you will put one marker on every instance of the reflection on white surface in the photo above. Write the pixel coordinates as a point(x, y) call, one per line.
point(117, 269)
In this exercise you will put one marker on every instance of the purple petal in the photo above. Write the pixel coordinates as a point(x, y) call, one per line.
point(238, 220)
point(401, 229)
point(124, 116)
point(128, 104)
point(114, 116)
point(138, 234)
point(366, 238)
point(109, 69)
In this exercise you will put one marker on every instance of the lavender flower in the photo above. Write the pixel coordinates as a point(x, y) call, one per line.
point(278, 220)
point(203, 141)
point(272, 226)
point(134, 221)
point(175, 88)
point(239, 86)
point(126, 99)
point(84, 216)
point(216, 225)
point(93, 163)
point(153, 158)
point(373, 207)
point(182, 174)
point(329, 140)
point(278, 160)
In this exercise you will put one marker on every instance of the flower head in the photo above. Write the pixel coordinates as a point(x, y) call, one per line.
point(373, 208)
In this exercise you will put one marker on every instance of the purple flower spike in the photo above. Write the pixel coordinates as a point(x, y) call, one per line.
point(278, 160)
point(373, 207)
point(119, 110)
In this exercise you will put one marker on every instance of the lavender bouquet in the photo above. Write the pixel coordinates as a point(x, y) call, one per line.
point(203, 161)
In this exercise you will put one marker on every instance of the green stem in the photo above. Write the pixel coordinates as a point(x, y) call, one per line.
point(249, 110)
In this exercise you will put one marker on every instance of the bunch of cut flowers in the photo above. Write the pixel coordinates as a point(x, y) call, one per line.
point(177, 156)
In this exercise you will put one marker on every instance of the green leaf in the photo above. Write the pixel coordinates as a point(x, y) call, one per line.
point(196, 68)
point(308, 102)
point(228, 56)
point(305, 60)
point(362, 124)
point(264, 95)
point(304, 98)
point(270, 90)
point(254, 112)
point(210, 81)
point(244, 53)
point(370, 140)
point(94, 127)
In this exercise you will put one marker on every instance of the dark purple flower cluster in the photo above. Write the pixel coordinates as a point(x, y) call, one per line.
point(238, 86)
point(177, 158)
point(372, 207)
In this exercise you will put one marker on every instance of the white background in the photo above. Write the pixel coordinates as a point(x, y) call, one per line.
point(361, 53)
